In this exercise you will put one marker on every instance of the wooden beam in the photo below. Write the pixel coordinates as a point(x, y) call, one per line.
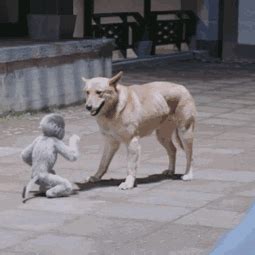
point(88, 14)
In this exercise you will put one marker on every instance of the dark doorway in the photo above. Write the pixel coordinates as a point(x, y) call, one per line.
point(220, 28)
point(13, 18)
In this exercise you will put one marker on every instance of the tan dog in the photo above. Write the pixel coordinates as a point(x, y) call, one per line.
point(127, 113)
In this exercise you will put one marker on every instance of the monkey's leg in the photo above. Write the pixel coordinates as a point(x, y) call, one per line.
point(60, 187)
point(43, 187)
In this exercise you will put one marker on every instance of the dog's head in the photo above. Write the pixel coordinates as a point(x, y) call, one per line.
point(101, 94)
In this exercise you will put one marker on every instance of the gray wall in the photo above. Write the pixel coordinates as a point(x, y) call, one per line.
point(246, 22)
point(34, 77)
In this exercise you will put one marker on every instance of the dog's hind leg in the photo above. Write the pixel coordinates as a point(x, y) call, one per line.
point(186, 134)
point(164, 136)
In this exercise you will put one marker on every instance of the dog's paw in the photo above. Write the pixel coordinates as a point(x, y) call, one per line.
point(92, 179)
point(129, 183)
point(168, 172)
point(187, 177)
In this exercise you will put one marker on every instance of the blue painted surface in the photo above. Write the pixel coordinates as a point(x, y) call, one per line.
point(241, 240)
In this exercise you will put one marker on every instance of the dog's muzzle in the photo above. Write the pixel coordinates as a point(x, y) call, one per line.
point(89, 107)
point(94, 112)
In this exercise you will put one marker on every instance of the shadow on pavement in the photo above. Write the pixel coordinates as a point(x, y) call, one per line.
point(115, 182)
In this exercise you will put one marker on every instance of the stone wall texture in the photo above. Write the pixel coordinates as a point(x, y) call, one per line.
point(33, 77)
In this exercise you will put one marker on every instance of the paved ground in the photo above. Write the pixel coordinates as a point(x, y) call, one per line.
point(161, 216)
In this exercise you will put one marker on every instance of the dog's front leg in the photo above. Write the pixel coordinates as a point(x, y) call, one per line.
point(110, 148)
point(133, 151)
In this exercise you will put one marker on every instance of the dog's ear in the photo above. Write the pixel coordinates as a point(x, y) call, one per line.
point(115, 79)
point(85, 80)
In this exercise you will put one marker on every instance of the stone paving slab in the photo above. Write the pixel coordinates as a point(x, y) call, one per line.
point(5, 252)
point(226, 175)
point(162, 215)
point(170, 241)
point(193, 199)
point(12, 237)
point(70, 205)
point(32, 220)
point(249, 193)
point(140, 211)
point(110, 230)
point(232, 203)
point(212, 218)
point(208, 186)
point(52, 244)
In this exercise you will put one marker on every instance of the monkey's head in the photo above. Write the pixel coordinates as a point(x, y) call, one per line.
point(53, 125)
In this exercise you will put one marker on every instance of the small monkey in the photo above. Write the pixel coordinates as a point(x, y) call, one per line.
point(42, 155)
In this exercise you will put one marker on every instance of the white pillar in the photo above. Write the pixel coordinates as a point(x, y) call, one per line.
point(78, 9)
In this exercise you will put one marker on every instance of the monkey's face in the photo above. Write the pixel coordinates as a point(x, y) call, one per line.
point(53, 125)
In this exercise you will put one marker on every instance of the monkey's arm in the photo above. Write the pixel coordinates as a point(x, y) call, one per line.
point(26, 154)
point(70, 152)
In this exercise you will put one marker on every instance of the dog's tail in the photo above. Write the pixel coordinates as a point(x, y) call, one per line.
point(28, 187)
point(190, 126)
point(177, 140)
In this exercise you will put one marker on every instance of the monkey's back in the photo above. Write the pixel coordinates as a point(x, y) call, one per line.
point(44, 155)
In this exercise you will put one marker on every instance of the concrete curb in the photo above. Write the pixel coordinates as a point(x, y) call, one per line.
point(50, 74)
point(189, 55)
point(41, 50)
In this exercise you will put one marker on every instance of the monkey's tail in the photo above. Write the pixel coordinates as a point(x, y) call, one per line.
point(28, 187)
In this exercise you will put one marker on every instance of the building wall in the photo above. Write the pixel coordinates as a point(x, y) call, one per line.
point(246, 22)
point(134, 5)
point(108, 6)
point(9, 11)
point(12, 6)
point(208, 14)
point(238, 31)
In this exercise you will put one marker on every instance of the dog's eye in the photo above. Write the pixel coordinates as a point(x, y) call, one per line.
point(99, 92)
point(87, 92)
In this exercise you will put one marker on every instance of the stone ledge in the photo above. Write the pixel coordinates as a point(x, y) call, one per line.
point(39, 50)
point(157, 59)
point(43, 75)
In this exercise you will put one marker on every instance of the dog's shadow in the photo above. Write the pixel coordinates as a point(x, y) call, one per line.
point(115, 182)
point(112, 182)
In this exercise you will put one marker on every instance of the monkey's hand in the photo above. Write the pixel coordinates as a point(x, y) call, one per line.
point(70, 152)
point(74, 139)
